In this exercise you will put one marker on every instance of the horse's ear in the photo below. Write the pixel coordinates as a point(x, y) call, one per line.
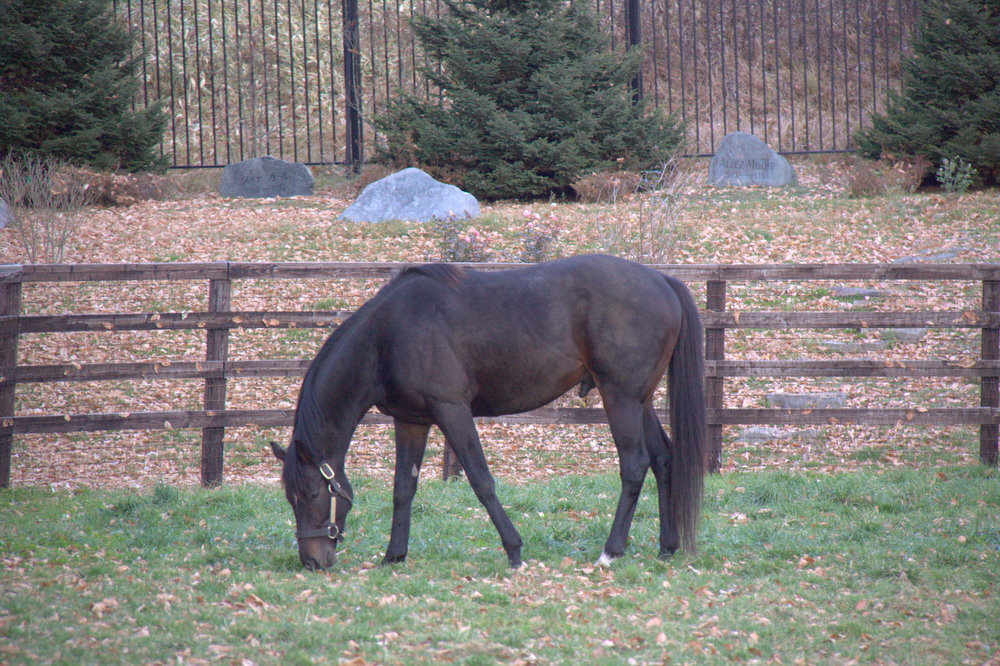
point(303, 453)
point(279, 452)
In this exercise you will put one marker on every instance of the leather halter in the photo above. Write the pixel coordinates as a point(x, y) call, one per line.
point(329, 529)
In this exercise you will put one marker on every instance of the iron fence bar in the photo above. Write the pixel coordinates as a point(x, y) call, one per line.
point(722, 71)
point(819, 78)
point(708, 72)
point(791, 68)
point(225, 86)
point(777, 71)
point(211, 83)
point(291, 86)
point(333, 77)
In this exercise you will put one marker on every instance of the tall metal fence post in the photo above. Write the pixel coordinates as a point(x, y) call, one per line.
point(10, 310)
point(633, 18)
point(216, 349)
point(715, 350)
point(352, 85)
point(989, 392)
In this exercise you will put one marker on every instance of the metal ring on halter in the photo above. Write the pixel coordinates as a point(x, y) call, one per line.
point(329, 530)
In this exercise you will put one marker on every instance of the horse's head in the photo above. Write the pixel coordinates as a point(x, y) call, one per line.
point(320, 502)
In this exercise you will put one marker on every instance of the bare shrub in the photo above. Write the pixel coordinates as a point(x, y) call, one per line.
point(121, 189)
point(867, 180)
point(45, 198)
point(910, 172)
point(890, 174)
point(606, 185)
point(643, 222)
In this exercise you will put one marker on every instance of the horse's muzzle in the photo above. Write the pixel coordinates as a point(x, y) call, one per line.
point(324, 559)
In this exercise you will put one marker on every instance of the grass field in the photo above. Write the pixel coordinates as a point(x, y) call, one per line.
point(874, 567)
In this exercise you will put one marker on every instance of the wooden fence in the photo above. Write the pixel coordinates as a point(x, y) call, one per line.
point(219, 318)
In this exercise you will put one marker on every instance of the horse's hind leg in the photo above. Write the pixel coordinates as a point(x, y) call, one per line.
point(459, 429)
point(411, 441)
point(625, 420)
point(658, 446)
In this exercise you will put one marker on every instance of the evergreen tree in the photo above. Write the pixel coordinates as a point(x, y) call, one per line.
point(949, 104)
point(68, 77)
point(532, 97)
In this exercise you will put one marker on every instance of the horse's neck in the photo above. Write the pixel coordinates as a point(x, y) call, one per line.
point(343, 386)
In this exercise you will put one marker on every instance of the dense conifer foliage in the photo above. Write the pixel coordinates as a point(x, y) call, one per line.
point(531, 97)
point(68, 78)
point(949, 104)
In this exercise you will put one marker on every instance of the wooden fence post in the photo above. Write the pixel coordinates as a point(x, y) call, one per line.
point(449, 463)
point(216, 349)
point(989, 392)
point(715, 350)
point(10, 310)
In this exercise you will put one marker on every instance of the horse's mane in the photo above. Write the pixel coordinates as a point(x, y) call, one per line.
point(307, 412)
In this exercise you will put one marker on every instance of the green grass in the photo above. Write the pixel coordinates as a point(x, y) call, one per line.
point(898, 566)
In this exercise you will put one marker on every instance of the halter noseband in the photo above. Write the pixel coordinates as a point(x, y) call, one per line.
point(329, 529)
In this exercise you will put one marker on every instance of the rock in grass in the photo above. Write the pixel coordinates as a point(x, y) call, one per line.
point(903, 335)
point(857, 293)
point(832, 400)
point(761, 434)
point(742, 159)
point(410, 195)
point(265, 178)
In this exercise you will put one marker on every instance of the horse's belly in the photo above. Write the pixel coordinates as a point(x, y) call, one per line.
point(513, 388)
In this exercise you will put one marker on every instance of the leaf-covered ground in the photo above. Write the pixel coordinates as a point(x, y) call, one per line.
point(814, 222)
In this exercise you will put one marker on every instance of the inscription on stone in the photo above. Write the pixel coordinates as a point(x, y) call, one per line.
point(742, 159)
point(266, 177)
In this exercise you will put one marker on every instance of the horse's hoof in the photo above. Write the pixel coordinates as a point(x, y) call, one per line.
point(389, 561)
point(604, 560)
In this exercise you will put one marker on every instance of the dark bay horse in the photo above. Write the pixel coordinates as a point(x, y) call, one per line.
point(440, 345)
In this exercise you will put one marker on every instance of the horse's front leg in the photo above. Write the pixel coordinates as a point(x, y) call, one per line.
point(411, 441)
point(459, 429)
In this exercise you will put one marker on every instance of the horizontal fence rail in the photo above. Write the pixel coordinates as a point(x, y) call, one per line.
point(219, 319)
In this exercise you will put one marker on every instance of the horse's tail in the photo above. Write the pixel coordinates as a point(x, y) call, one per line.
point(688, 452)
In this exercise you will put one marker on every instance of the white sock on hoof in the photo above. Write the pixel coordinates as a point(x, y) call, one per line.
point(604, 560)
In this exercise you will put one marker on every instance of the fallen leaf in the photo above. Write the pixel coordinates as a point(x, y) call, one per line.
point(99, 608)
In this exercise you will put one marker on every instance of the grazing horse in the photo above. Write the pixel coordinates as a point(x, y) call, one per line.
point(440, 345)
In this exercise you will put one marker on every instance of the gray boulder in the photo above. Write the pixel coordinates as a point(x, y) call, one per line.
point(264, 178)
point(6, 214)
point(742, 159)
point(806, 400)
point(410, 195)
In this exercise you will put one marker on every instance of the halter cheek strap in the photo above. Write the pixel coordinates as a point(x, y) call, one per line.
point(329, 529)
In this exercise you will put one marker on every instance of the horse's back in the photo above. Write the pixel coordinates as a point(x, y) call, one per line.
point(512, 340)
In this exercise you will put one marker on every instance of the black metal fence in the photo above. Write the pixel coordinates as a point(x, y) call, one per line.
point(242, 78)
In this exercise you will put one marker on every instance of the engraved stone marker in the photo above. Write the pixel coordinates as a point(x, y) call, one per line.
point(742, 159)
point(266, 177)
point(410, 195)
